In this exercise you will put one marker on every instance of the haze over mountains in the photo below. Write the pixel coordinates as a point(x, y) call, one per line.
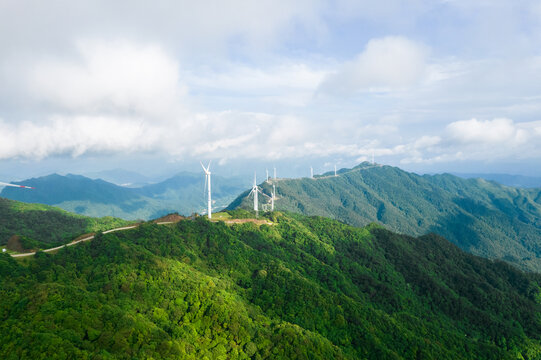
point(506, 179)
point(481, 217)
point(182, 193)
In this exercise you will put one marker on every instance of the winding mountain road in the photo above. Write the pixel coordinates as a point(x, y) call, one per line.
point(87, 239)
point(76, 241)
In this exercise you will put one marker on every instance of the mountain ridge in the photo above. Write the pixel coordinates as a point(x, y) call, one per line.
point(480, 216)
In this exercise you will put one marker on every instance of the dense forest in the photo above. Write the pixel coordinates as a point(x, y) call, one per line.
point(40, 227)
point(299, 288)
point(481, 217)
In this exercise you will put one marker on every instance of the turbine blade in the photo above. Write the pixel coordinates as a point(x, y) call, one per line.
point(15, 185)
point(262, 193)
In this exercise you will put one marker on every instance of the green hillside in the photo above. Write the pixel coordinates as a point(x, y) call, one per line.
point(301, 288)
point(42, 226)
point(481, 217)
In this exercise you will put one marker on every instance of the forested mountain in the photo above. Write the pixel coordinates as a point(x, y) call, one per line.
point(299, 288)
point(481, 217)
point(182, 193)
point(33, 226)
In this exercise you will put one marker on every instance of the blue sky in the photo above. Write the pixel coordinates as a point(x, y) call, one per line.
point(429, 86)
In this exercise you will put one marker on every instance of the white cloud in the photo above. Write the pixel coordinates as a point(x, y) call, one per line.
point(204, 26)
point(478, 140)
point(74, 135)
point(110, 76)
point(388, 63)
point(497, 131)
point(237, 79)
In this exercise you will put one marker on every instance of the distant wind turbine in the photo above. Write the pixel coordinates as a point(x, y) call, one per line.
point(267, 174)
point(15, 185)
point(274, 173)
point(207, 181)
point(311, 172)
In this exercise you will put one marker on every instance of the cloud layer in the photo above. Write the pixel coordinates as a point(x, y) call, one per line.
point(419, 82)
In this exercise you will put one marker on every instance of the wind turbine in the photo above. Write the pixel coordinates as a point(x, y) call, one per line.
point(255, 190)
point(335, 170)
point(15, 185)
point(311, 172)
point(267, 174)
point(207, 180)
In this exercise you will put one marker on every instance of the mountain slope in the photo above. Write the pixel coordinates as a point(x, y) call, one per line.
point(42, 226)
point(303, 288)
point(481, 217)
point(182, 193)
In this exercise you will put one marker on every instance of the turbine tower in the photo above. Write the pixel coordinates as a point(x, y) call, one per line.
point(335, 170)
point(207, 181)
point(15, 185)
point(273, 196)
point(274, 173)
point(267, 174)
point(311, 172)
point(255, 190)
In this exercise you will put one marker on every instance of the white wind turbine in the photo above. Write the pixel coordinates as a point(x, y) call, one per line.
point(311, 172)
point(15, 185)
point(255, 190)
point(335, 170)
point(207, 181)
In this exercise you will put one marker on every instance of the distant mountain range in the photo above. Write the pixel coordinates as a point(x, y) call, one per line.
point(481, 217)
point(182, 193)
point(122, 177)
point(506, 179)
